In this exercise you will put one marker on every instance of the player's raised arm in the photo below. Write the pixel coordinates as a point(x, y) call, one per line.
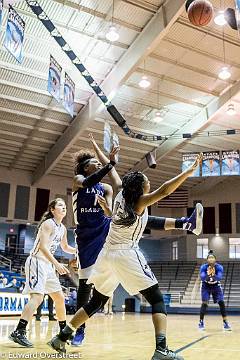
point(115, 179)
point(81, 181)
point(167, 188)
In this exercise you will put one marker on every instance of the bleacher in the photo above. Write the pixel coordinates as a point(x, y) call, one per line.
point(173, 277)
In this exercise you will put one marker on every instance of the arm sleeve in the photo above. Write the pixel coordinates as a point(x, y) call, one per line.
point(203, 273)
point(96, 177)
point(219, 273)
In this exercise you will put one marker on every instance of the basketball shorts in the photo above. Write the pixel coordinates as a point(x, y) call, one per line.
point(127, 267)
point(41, 277)
point(215, 290)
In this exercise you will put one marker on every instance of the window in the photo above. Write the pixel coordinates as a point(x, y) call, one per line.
point(175, 250)
point(225, 218)
point(234, 248)
point(202, 248)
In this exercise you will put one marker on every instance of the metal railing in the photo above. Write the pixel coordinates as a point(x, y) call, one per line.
point(5, 262)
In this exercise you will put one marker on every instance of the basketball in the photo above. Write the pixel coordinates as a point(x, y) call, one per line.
point(200, 12)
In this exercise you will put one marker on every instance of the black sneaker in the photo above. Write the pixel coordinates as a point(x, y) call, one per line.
point(19, 337)
point(166, 354)
point(52, 318)
point(57, 344)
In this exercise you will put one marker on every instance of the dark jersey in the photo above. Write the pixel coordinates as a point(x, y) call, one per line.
point(92, 225)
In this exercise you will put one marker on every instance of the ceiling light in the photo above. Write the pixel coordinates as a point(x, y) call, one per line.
point(224, 73)
point(158, 116)
point(112, 34)
point(220, 19)
point(231, 109)
point(144, 82)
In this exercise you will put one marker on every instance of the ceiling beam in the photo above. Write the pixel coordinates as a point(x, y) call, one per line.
point(188, 85)
point(152, 34)
point(189, 67)
point(160, 93)
point(197, 123)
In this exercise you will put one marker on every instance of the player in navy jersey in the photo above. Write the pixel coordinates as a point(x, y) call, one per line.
point(211, 274)
point(92, 205)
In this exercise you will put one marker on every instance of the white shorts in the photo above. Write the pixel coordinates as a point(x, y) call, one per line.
point(41, 277)
point(127, 267)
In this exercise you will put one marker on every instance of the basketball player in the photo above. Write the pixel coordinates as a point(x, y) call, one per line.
point(121, 262)
point(92, 207)
point(41, 267)
point(211, 274)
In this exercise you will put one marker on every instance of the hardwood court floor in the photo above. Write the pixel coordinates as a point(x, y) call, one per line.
point(131, 337)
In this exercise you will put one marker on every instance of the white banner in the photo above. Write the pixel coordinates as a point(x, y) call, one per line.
point(13, 303)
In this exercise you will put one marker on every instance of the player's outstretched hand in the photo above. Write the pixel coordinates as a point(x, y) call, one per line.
point(93, 141)
point(61, 269)
point(196, 163)
point(113, 154)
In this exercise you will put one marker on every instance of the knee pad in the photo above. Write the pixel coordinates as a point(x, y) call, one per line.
point(83, 286)
point(204, 307)
point(222, 308)
point(154, 296)
point(97, 301)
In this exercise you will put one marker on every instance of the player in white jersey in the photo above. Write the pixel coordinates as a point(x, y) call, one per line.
point(121, 262)
point(41, 267)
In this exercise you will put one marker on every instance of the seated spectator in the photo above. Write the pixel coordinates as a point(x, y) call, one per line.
point(22, 286)
point(1, 275)
point(13, 284)
point(4, 284)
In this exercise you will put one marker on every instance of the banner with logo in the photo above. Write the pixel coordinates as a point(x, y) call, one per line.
point(188, 160)
point(115, 142)
point(230, 163)
point(13, 303)
point(107, 137)
point(69, 94)
point(1, 11)
point(54, 78)
point(15, 34)
point(211, 163)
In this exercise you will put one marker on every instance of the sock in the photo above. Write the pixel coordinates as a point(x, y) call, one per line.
point(66, 333)
point(161, 341)
point(22, 325)
point(180, 222)
point(62, 324)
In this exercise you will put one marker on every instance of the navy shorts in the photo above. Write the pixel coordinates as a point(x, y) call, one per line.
point(215, 290)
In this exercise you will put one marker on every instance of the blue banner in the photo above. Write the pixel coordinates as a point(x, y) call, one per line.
point(69, 94)
point(230, 163)
point(54, 78)
point(188, 160)
point(211, 163)
point(1, 11)
point(15, 34)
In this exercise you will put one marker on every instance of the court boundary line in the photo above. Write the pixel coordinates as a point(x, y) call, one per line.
point(192, 343)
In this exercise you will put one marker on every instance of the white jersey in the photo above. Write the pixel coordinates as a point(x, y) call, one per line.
point(54, 240)
point(125, 236)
